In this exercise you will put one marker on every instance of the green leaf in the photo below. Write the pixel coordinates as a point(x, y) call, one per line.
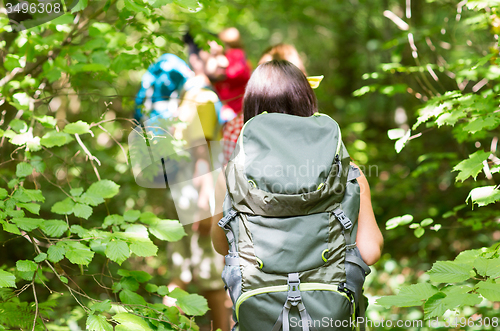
point(484, 195)
point(426, 222)
point(54, 228)
point(468, 257)
point(47, 121)
point(11, 228)
point(7, 279)
point(131, 298)
point(132, 6)
point(98, 322)
point(40, 257)
point(56, 253)
point(488, 267)
point(27, 224)
point(399, 301)
point(117, 251)
point(31, 207)
point(422, 291)
point(3, 193)
point(76, 192)
point(104, 306)
point(191, 5)
point(144, 248)
point(26, 265)
point(482, 123)
point(64, 207)
point(489, 290)
point(193, 304)
point(81, 5)
point(90, 199)
point(104, 188)
point(434, 306)
point(449, 272)
point(129, 322)
point(79, 127)
point(401, 142)
point(131, 215)
point(54, 138)
point(398, 221)
point(163, 290)
point(78, 253)
point(419, 232)
point(24, 169)
point(64, 279)
point(471, 166)
point(18, 125)
point(395, 133)
point(140, 276)
point(168, 230)
point(129, 283)
point(151, 288)
point(34, 195)
point(82, 210)
point(113, 219)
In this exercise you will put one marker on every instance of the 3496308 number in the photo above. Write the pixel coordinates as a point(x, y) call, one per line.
point(32, 8)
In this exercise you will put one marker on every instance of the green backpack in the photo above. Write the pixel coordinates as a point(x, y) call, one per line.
point(290, 217)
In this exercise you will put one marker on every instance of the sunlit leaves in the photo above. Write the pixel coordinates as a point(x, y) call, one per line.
point(55, 253)
point(64, 207)
point(7, 279)
point(168, 230)
point(471, 166)
point(82, 210)
point(98, 322)
point(23, 169)
point(117, 251)
point(484, 195)
point(54, 138)
point(398, 221)
point(409, 296)
point(489, 290)
point(191, 304)
point(54, 228)
point(449, 272)
point(27, 224)
point(129, 322)
point(131, 298)
point(79, 127)
point(104, 188)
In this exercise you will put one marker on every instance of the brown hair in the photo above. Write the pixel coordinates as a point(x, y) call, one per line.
point(283, 52)
point(278, 86)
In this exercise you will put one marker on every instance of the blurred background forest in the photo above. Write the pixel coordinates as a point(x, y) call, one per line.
point(413, 85)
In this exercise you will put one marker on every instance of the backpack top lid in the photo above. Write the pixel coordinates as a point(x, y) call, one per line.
point(164, 77)
point(286, 165)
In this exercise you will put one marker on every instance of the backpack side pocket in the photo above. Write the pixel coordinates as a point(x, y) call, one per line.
point(356, 271)
point(231, 275)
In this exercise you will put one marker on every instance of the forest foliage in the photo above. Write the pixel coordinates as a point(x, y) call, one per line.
point(413, 84)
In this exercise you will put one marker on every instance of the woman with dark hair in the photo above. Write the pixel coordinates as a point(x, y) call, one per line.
point(293, 213)
point(279, 86)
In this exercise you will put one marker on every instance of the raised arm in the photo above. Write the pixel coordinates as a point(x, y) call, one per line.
point(369, 238)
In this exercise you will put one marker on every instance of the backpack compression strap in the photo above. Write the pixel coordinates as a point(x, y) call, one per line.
point(232, 258)
point(293, 299)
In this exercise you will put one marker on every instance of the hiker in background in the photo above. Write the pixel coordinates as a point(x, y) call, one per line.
point(193, 257)
point(232, 128)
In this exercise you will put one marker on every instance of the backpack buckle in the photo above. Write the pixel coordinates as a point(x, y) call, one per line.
point(226, 219)
point(346, 222)
point(294, 289)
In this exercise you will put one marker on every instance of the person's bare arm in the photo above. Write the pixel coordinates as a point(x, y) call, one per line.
point(369, 238)
point(218, 236)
